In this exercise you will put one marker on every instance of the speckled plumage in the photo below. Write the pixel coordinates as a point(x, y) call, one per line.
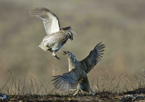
point(56, 36)
point(77, 78)
point(54, 41)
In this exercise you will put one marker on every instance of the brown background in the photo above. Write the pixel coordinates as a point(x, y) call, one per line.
point(119, 23)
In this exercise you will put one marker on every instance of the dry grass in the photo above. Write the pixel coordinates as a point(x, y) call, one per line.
point(119, 84)
point(107, 90)
point(120, 24)
point(112, 90)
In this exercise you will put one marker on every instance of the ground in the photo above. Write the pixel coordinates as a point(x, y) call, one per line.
point(130, 96)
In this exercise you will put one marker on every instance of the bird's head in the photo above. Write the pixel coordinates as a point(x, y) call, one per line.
point(70, 36)
point(68, 54)
point(70, 33)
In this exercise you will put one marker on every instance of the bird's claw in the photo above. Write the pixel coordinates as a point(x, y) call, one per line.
point(57, 57)
point(54, 55)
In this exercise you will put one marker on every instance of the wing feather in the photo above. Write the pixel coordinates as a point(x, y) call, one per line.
point(94, 57)
point(50, 20)
point(66, 81)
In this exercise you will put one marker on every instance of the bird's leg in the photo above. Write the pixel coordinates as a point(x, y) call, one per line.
point(82, 92)
point(76, 92)
point(57, 57)
point(54, 55)
point(49, 49)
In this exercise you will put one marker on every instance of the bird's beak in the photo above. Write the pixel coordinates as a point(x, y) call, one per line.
point(64, 52)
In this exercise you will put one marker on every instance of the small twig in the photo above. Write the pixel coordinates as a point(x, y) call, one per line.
point(36, 84)
point(32, 87)
point(5, 84)
point(93, 83)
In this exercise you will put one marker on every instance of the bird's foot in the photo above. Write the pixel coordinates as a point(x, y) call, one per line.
point(76, 93)
point(57, 57)
point(92, 93)
point(54, 55)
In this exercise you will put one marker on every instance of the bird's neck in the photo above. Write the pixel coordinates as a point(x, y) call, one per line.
point(71, 63)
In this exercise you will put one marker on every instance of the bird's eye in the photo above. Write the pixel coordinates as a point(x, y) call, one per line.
point(71, 37)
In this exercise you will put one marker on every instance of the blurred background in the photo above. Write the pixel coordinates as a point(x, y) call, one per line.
point(119, 23)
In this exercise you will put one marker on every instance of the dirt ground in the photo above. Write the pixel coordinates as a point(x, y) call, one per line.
point(138, 96)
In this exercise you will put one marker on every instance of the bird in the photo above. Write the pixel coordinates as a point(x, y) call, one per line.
point(56, 36)
point(76, 78)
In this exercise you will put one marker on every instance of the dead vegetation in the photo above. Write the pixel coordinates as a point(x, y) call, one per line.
point(120, 24)
point(99, 97)
point(105, 91)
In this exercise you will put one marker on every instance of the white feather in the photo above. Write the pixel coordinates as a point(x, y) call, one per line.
point(53, 24)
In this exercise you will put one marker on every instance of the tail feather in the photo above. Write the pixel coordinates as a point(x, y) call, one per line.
point(66, 81)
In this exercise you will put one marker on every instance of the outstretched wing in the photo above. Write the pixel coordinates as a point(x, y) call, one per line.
point(94, 57)
point(50, 20)
point(67, 81)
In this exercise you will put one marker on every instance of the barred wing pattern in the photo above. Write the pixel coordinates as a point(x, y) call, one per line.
point(94, 57)
point(67, 81)
point(77, 77)
point(50, 20)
